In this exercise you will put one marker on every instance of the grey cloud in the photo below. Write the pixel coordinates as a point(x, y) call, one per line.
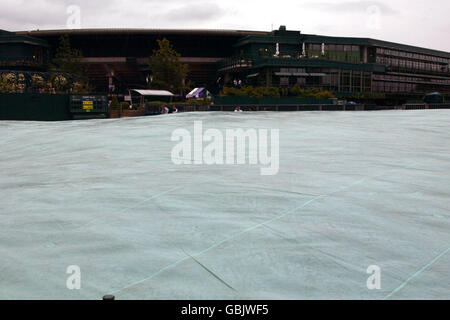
point(50, 14)
point(200, 12)
point(19, 19)
point(410, 21)
point(351, 6)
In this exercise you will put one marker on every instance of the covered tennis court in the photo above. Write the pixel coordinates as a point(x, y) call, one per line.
point(354, 189)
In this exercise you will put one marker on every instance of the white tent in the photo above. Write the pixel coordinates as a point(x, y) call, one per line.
point(158, 93)
point(198, 93)
point(139, 95)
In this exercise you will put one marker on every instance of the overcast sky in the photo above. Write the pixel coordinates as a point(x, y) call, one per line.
point(415, 22)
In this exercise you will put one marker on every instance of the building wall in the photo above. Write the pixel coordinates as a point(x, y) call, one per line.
point(399, 69)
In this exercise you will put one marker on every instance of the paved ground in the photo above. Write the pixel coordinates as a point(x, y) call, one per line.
point(353, 190)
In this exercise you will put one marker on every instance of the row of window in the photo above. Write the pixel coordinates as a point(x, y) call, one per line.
point(388, 87)
point(347, 81)
point(412, 64)
point(411, 55)
point(333, 47)
point(331, 84)
point(344, 81)
point(396, 78)
point(399, 87)
point(293, 70)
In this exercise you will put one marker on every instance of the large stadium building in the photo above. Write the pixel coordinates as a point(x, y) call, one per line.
point(118, 60)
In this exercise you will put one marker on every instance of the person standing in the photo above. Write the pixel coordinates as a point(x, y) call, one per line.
point(164, 109)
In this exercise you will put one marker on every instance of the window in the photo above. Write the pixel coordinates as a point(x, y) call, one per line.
point(301, 81)
point(284, 81)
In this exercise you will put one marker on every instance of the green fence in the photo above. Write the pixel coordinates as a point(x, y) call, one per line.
point(35, 107)
point(236, 100)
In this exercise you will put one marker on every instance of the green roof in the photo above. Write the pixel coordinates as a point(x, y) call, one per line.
point(10, 37)
point(374, 43)
point(271, 39)
point(297, 38)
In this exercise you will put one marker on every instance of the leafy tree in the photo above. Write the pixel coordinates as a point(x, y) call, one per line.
point(8, 83)
point(68, 60)
point(114, 104)
point(168, 72)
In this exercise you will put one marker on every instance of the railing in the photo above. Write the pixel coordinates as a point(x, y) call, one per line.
point(235, 62)
point(419, 106)
point(14, 62)
point(155, 109)
point(288, 107)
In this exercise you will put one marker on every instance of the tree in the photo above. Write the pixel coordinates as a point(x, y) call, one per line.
point(114, 104)
point(69, 60)
point(167, 70)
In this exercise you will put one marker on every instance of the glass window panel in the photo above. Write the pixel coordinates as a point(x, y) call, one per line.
point(284, 81)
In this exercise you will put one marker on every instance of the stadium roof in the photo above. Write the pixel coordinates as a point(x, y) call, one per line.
point(142, 31)
point(242, 33)
point(11, 37)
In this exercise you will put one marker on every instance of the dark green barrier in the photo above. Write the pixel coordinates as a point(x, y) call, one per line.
point(35, 107)
point(236, 100)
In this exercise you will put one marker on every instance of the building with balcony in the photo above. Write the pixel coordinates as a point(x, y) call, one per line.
point(342, 65)
point(118, 58)
point(22, 52)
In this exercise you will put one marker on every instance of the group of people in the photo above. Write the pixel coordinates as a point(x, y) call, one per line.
point(173, 109)
point(237, 83)
point(238, 109)
point(167, 110)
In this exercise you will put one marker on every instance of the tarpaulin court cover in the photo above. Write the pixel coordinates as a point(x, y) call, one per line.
point(353, 190)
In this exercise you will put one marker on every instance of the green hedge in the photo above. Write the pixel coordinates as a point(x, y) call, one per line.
point(269, 101)
point(272, 92)
point(203, 102)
